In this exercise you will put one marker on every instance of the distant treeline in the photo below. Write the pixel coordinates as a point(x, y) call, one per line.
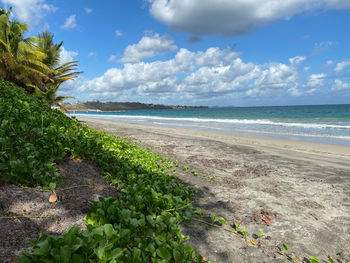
point(121, 106)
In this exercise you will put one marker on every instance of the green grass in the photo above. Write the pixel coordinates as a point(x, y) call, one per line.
point(140, 226)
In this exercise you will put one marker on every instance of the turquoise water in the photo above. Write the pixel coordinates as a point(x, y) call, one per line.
point(319, 123)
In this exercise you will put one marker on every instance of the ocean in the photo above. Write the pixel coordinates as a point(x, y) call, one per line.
point(320, 123)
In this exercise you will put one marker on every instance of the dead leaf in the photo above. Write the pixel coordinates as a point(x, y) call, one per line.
point(266, 219)
point(53, 198)
point(251, 241)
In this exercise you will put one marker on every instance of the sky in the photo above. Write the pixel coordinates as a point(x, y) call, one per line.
point(200, 52)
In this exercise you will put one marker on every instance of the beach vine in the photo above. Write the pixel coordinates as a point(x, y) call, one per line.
point(141, 225)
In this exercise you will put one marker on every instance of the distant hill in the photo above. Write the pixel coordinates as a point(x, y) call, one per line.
point(121, 106)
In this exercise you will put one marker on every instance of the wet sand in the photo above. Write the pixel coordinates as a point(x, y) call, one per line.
point(295, 192)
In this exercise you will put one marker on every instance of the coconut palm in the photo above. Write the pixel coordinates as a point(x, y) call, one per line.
point(21, 61)
point(65, 72)
point(33, 62)
point(59, 73)
point(47, 46)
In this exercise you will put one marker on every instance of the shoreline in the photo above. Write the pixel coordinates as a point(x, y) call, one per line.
point(302, 188)
point(321, 152)
point(324, 133)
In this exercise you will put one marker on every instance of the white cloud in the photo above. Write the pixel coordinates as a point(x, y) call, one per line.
point(341, 66)
point(67, 56)
point(277, 75)
point(118, 33)
point(339, 85)
point(232, 18)
point(30, 11)
point(88, 10)
point(315, 80)
point(149, 46)
point(329, 63)
point(297, 60)
point(111, 58)
point(70, 22)
point(203, 75)
point(91, 54)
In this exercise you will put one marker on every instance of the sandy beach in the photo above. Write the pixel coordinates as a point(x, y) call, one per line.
point(297, 193)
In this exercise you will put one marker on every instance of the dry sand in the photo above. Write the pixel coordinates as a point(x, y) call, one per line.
point(302, 187)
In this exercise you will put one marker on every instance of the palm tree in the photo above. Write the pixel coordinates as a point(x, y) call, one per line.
point(66, 71)
point(32, 63)
point(59, 73)
point(21, 61)
point(47, 46)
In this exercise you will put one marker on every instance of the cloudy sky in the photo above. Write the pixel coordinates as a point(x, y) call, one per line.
point(201, 52)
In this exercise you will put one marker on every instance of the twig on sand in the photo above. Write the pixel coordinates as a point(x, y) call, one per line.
point(75, 186)
point(28, 216)
point(221, 227)
point(61, 189)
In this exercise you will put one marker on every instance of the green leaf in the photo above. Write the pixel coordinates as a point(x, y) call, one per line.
point(314, 260)
point(108, 230)
point(286, 247)
point(164, 253)
point(98, 231)
point(65, 254)
point(222, 220)
point(116, 253)
point(260, 234)
point(43, 249)
point(136, 254)
point(100, 251)
point(176, 255)
point(213, 217)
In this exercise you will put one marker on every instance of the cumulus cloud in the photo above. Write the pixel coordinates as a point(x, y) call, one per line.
point(30, 11)
point(91, 54)
point(232, 18)
point(341, 66)
point(339, 85)
point(315, 80)
point(67, 56)
point(70, 22)
point(149, 46)
point(201, 75)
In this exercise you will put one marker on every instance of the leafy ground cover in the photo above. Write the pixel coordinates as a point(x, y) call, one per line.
point(141, 225)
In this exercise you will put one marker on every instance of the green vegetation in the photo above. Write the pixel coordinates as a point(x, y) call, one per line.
point(142, 223)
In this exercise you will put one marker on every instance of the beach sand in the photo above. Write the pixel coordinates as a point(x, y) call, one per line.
point(295, 192)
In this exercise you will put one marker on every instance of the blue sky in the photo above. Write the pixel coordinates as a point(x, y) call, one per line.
point(200, 52)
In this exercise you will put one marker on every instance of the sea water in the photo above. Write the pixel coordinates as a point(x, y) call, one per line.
point(318, 123)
